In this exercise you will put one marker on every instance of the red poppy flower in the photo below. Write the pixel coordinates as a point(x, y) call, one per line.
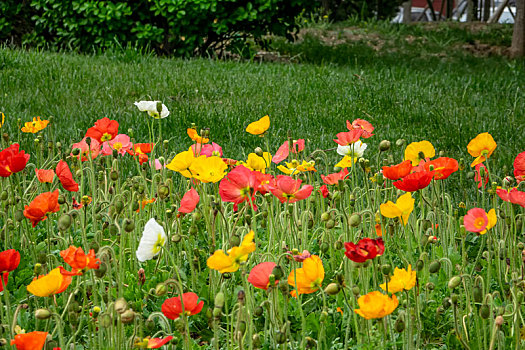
point(289, 190)
point(482, 181)
point(45, 176)
point(172, 307)
point(155, 343)
point(239, 186)
point(4, 278)
point(78, 260)
point(364, 250)
point(141, 151)
point(334, 178)
point(12, 161)
point(349, 137)
point(259, 276)
point(105, 129)
point(361, 124)
point(396, 172)
point(443, 167)
point(415, 181)
point(263, 182)
point(514, 196)
point(283, 151)
point(9, 260)
point(30, 341)
point(519, 167)
point(66, 177)
point(323, 190)
point(43, 204)
point(189, 201)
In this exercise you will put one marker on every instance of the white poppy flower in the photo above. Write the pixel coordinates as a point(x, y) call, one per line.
point(152, 108)
point(152, 241)
point(355, 150)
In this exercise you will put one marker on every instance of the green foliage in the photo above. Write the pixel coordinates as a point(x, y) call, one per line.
point(340, 10)
point(181, 27)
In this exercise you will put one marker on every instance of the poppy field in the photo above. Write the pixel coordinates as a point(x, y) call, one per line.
point(358, 246)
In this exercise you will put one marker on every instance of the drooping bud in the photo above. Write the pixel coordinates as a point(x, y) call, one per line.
point(127, 316)
point(219, 300)
point(161, 289)
point(332, 289)
point(64, 222)
point(454, 282)
point(355, 220)
point(384, 146)
point(121, 305)
point(258, 151)
point(42, 314)
point(434, 266)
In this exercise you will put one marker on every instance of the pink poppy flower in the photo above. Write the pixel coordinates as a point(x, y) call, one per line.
point(259, 276)
point(289, 190)
point(211, 150)
point(86, 150)
point(121, 143)
point(283, 151)
point(361, 124)
point(189, 201)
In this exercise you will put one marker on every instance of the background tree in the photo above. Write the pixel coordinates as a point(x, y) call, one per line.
point(518, 37)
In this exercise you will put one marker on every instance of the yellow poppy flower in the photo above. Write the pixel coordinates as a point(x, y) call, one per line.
point(259, 127)
point(346, 162)
point(181, 163)
point(35, 126)
point(308, 278)
point(493, 219)
point(418, 151)
point(2, 119)
point(52, 283)
point(208, 169)
point(295, 167)
point(231, 261)
point(376, 305)
point(401, 209)
point(192, 133)
point(481, 147)
point(254, 162)
point(400, 281)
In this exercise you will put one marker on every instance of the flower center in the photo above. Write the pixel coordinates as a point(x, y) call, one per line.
point(117, 146)
point(479, 223)
point(158, 244)
point(105, 137)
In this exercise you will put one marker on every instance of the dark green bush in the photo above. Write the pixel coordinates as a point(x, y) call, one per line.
point(181, 27)
point(340, 10)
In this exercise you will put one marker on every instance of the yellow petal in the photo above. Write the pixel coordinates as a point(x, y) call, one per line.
point(390, 210)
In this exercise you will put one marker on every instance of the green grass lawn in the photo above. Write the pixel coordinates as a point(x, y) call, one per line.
point(411, 93)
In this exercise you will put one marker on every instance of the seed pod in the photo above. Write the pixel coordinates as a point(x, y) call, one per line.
point(434, 266)
point(454, 282)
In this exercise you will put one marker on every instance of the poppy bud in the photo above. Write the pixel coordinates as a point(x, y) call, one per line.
point(356, 290)
point(258, 311)
point(128, 225)
point(105, 320)
point(127, 316)
point(141, 276)
point(324, 247)
point(484, 311)
point(227, 275)
point(310, 343)
point(384, 146)
point(241, 296)
point(4, 195)
point(446, 303)
point(325, 216)
point(196, 216)
point(419, 265)
point(161, 289)
point(399, 326)
point(61, 199)
point(164, 191)
point(113, 229)
point(477, 293)
point(193, 230)
point(454, 298)
point(338, 245)
point(64, 222)
point(121, 305)
point(355, 220)
point(176, 238)
point(235, 240)
point(386, 269)
point(400, 142)
point(42, 258)
point(454, 282)
point(38, 269)
point(332, 289)
point(330, 224)
point(19, 215)
point(324, 316)
point(283, 286)
point(434, 266)
point(219, 300)
point(258, 151)
point(42, 314)
point(430, 286)
point(499, 321)
point(256, 341)
point(280, 337)
point(150, 325)
point(217, 312)
point(101, 271)
point(278, 272)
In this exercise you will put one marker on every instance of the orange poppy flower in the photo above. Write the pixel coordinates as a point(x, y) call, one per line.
point(349, 137)
point(30, 341)
point(145, 202)
point(78, 260)
point(443, 167)
point(308, 278)
point(141, 150)
point(35, 126)
point(45, 176)
point(43, 204)
point(376, 305)
point(396, 172)
point(192, 133)
point(481, 147)
point(367, 127)
point(54, 282)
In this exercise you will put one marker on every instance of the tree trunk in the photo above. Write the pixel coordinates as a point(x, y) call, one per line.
point(407, 11)
point(486, 10)
point(518, 36)
point(471, 11)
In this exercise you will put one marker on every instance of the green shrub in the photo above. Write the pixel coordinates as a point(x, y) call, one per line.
point(180, 27)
